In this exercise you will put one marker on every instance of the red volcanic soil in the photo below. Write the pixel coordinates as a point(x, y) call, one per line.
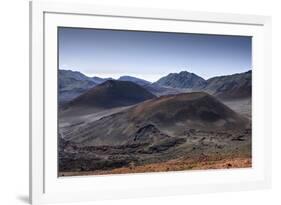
point(173, 165)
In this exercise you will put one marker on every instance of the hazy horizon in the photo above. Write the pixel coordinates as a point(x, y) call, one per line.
point(151, 55)
point(118, 76)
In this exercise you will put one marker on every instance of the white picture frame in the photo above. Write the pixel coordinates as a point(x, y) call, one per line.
point(46, 187)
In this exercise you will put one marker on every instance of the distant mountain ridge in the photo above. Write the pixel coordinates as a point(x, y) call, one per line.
point(183, 79)
point(73, 74)
point(236, 86)
point(72, 84)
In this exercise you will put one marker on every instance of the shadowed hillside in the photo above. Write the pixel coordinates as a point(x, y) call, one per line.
point(111, 94)
point(236, 86)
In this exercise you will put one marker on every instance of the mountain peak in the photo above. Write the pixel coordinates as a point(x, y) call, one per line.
point(183, 79)
point(184, 72)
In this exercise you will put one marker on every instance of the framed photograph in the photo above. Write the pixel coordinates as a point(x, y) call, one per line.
point(129, 102)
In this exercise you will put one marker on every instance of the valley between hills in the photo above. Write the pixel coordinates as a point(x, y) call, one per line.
point(129, 125)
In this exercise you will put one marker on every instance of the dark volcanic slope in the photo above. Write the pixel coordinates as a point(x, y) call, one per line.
point(167, 116)
point(112, 93)
point(197, 107)
point(183, 79)
point(234, 86)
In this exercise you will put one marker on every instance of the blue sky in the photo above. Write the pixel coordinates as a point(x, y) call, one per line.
point(151, 55)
